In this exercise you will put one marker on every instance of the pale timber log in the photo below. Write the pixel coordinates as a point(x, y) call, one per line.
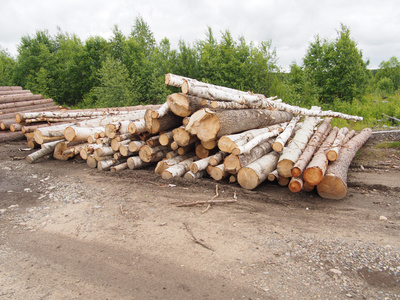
point(80, 134)
point(227, 105)
point(115, 144)
point(166, 163)
point(179, 169)
point(187, 149)
point(11, 136)
point(65, 151)
point(134, 162)
point(232, 179)
point(307, 187)
point(210, 125)
point(194, 176)
point(119, 167)
point(161, 112)
point(296, 184)
point(283, 181)
point(105, 165)
point(164, 123)
point(25, 103)
point(316, 169)
point(104, 151)
point(6, 123)
point(316, 140)
point(124, 136)
point(174, 146)
point(334, 183)
point(20, 92)
point(134, 146)
point(282, 139)
point(37, 107)
point(46, 149)
point(217, 158)
point(41, 133)
point(166, 138)
point(148, 154)
point(218, 172)
point(209, 145)
point(89, 149)
point(200, 164)
point(182, 137)
point(91, 161)
point(344, 135)
point(202, 152)
point(171, 154)
point(100, 158)
point(153, 141)
point(111, 130)
point(19, 98)
point(233, 163)
point(15, 114)
point(137, 127)
point(246, 148)
point(183, 105)
point(274, 175)
point(292, 152)
point(15, 127)
point(175, 80)
point(251, 176)
point(124, 150)
point(10, 88)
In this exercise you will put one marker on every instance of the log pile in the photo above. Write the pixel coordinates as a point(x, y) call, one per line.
point(14, 100)
point(212, 131)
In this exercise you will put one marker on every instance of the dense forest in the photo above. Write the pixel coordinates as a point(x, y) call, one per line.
point(130, 70)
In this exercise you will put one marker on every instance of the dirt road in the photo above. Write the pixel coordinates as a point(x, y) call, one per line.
point(70, 232)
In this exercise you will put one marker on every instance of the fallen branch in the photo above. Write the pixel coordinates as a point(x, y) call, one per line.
point(200, 242)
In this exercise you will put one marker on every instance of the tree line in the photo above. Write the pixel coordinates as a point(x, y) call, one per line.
point(130, 70)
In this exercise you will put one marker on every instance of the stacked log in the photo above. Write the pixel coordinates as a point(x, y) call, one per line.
point(205, 131)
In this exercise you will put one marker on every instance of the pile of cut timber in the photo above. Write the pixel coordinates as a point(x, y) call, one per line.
point(214, 131)
point(13, 100)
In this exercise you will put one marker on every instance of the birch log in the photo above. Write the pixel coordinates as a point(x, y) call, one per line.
point(183, 137)
point(46, 149)
point(339, 142)
point(183, 105)
point(334, 183)
point(218, 172)
point(166, 163)
point(292, 152)
point(217, 158)
point(316, 169)
point(252, 175)
point(148, 154)
point(178, 170)
point(137, 127)
point(166, 138)
point(50, 131)
point(134, 162)
point(165, 123)
point(194, 176)
point(80, 134)
point(282, 139)
point(316, 140)
point(200, 164)
point(161, 112)
point(134, 146)
point(296, 184)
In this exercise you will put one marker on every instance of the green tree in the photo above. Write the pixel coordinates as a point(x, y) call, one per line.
point(7, 65)
point(391, 70)
point(115, 87)
point(336, 68)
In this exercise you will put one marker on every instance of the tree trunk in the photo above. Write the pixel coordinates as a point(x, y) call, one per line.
point(19, 98)
point(174, 80)
point(153, 141)
point(115, 144)
point(80, 134)
point(183, 105)
point(178, 170)
point(6, 123)
point(217, 158)
point(105, 165)
point(209, 145)
point(344, 135)
point(316, 140)
point(227, 105)
point(119, 167)
point(26, 103)
point(161, 112)
point(210, 125)
point(292, 152)
point(134, 162)
point(46, 149)
point(165, 123)
point(200, 164)
point(134, 146)
point(41, 133)
point(148, 154)
point(246, 148)
point(274, 175)
point(316, 169)
point(334, 184)
point(166, 163)
point(182, 137)
point(194, 176)
point(63, 151)
point(15, 127)
point(111, 130)
point(233, 163)
point(166, 138)
point(296, 184)
point(282, 139)
point(11, 136)
point(104, 151)
point(202, 152)
point(137, 127)
point(218, 172)
point(251, 176)
point(187, 149)
point(38, 107)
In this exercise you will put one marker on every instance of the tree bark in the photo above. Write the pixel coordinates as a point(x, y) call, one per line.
point(316, 169)
point(80, 134)
point(194, 176)
point(292, 152)
point(46, 149)
point(227, 105)
point(233, 163)
point(182, 137)
point(26, 103)
point(19, 98)
point(200, 164)
point(137, 127)
point(178, 170)
point(274, 175)
point(316, 140)
point(134, 146)
point(115, 144)
point(41, 133)
point(148, 154)
point(344, 135)
point(218, 172)
point(165, 123)
point(166, 163)
point(210, 125)
point(11, 136)
point(217, 158)
point(161, 112)
point(282, 139)
point(117, 168)
point(166, 138)
point(153, 141)
point(134, 162)
point(105, 165)
point(38, 107)
point(251, 176)
point(334, 184)
point(183, 105)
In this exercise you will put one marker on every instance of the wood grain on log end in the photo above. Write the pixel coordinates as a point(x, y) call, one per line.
point(247, 178)
point(332, 187)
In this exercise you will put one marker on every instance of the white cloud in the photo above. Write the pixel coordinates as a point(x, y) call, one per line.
point(291, 25)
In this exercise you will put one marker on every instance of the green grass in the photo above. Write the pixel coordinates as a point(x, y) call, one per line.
point(387, 145)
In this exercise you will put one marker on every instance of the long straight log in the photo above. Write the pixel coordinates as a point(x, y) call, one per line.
point(282, 139)
point(134, 146)
point(20, 92)
point(40, 134)
point(161, 112)
point(148, 154)
point(340, 140)
point(11, 136)
point(218, 172)
point(251, 176)
point(134, 162)
point(137, 127)
point(194, 176)
point(46, 149)
point(334, 183)
point(6, 123)
point(217, 158)
point(80, 134)
point(10, 88)
point(210, 125)
point(25, 103)
point(37, 107)
point(316, 140)
point(292, 152)
point(200, 165)
point(165, 123)
point(179, 169)
point(316, 169)
point(19, 98)
point(183, 105)
point(166, 163)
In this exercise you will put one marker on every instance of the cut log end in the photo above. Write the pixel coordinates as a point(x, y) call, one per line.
point(331, 155)
point(313, 175)
point(278, 147)
point(332, 187)
point(166, 175)
point(232, 163)
point(295, 186)
point(69, 133)
point(247, 178)
point(285, 168)
point(296, 172)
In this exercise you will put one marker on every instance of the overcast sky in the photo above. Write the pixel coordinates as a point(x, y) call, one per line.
point(291, 25)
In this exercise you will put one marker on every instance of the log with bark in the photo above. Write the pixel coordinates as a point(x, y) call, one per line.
point(134, 162)
point(210, 125)
point(179, 169)
point(148, 154)
point(218, 172)
point(43, 133)
point(296, 184)
point(136, 127)
point(166, 163)
point(190, 176)
point(183, 105)
point(119, 167)
point(344, 135)
point(134, 146)
point(334, 183)
point(292, 152)
point(46, 149)
point(316, 140)
point(80, 134)
point(217, 158)
point(165, 123)
point(252, 175)
point(6, 136)
point(19, 98)
point(316, 169)
point(29, 103)
point(161, 112)
point(183, 137)
point(282, 139)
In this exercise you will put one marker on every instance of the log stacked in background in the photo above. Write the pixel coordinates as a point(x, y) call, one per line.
point(204, 131)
